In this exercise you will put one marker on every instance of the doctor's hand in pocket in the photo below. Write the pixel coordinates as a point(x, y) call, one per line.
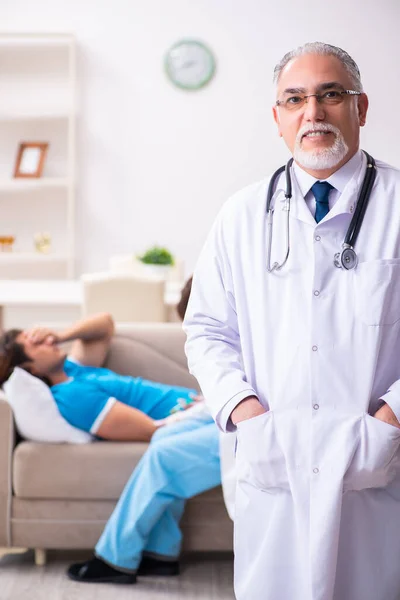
point(247, 409)
point(385, 414)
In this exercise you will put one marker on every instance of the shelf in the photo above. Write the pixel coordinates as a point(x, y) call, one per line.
point(26, 184)
point(21, 116)
point(38, 40)
point(21, 257)
point(38, 102)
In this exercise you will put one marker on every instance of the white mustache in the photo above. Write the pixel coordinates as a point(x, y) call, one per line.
point(320, 158)
point(326, 127)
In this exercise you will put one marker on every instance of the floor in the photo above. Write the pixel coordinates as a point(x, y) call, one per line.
point(204, 577)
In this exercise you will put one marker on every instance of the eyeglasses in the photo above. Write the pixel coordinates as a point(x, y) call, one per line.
point(329, 98)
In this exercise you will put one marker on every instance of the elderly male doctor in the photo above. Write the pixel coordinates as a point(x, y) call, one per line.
point(304, 359)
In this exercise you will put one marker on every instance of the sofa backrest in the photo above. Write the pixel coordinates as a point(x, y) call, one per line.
point(154, 351)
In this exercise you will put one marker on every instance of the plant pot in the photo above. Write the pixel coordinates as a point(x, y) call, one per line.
point(159, 271)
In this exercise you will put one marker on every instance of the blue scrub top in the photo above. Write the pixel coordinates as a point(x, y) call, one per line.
point(91, 390)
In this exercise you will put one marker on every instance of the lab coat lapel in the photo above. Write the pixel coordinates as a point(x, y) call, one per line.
point(298, 208)
point(348, 199)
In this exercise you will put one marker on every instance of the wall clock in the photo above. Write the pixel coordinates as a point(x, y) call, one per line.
point(189, 64)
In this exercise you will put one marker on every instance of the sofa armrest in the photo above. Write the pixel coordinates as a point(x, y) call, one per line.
point(154, 351)
point(7, 442)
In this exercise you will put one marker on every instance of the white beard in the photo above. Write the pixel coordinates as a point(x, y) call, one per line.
point(321, 158)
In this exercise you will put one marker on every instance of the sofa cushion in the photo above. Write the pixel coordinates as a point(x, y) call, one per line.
point(96, 471)
point(152, 351)
point(79, 523)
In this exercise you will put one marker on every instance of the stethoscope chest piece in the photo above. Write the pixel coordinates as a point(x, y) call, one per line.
point(346, 259)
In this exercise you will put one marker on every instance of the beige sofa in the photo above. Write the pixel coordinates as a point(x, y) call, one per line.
point(61, 495)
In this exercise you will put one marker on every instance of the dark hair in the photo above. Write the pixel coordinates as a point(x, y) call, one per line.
point(12, 354)
point(183, 302)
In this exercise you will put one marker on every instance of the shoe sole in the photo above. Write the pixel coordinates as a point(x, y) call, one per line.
point(123, 579)
point(157, 574)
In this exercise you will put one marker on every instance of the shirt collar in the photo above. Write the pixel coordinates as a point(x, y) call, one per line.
point(339, 179)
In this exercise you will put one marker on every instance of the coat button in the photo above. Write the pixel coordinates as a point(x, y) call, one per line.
point(316, 406)
point(316, 470)
point(317, 238)
point(316, 293)
point(314, 348)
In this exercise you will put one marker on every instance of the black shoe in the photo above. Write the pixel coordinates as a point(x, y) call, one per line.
point(152, 566)
point(97, 571)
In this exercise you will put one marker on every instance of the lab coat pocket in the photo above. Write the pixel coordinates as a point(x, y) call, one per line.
point(376, 459)
point(377, 291)
point(259, 457)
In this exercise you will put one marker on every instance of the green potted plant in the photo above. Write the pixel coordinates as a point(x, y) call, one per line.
point(157, 260)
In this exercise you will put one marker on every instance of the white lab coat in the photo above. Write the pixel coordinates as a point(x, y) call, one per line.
point(317, 513)
point(227, 448)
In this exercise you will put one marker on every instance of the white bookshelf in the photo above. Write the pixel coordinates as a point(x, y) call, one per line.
point(32, 116)
point(21, 185)
point(21, 257)
point(38, 104)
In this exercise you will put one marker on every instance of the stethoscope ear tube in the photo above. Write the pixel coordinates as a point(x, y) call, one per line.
point(362, 202)
point(271, 186)
point(288, 194)
point(347, 259)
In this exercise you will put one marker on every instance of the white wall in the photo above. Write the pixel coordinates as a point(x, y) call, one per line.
point(156, 163)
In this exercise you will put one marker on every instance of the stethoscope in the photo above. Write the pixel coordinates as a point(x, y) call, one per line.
point(346, 258)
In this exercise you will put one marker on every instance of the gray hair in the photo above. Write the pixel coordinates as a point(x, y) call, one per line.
point(327, 50)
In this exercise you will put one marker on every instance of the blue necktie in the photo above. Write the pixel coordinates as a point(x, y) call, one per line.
point(321, 190)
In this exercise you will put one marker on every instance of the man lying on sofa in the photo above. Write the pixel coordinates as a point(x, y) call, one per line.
point(90, 398)
point(142, 536)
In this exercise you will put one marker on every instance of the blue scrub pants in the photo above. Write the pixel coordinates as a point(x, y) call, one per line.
point(182, 461)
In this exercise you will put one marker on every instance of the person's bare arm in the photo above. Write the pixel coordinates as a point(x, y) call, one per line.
point(246, 409)
point(385, 413)
point(126, 424)
point(91, 337)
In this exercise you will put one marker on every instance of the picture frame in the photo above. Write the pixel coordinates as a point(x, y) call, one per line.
point(30, 159)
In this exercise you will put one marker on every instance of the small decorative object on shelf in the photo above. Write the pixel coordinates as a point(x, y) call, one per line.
point(157, 261)
point(6, 243)
point(30, 159)
point(42, 242)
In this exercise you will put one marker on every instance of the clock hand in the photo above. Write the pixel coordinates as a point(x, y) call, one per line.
point(188, 63)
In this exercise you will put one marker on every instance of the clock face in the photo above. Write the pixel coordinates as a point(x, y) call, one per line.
point(189, 64)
